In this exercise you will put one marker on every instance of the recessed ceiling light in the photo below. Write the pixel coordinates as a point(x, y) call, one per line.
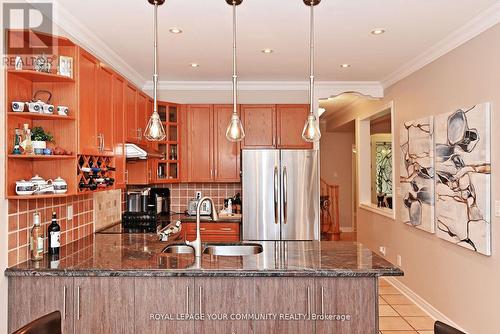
point(175, 30)
point(194, 65)
point(267, 51)
point(377, 31)
point(345, 65)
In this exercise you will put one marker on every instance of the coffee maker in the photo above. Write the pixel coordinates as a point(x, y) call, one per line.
point(147, 208)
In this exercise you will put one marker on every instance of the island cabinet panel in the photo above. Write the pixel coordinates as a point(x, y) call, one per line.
point(104, 305)
point(220, 297)
point(290, 123)
point(227, 154)
point(119, 131)
point(356, 297)
point(104, 110)
point(87, 69)
point(131, 133)
point(284, 295)
point(156, 297)
point(259, 123)
point(31, 298)
point(200, 142)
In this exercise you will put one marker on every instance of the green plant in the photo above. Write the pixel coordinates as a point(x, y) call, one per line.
point(39, 134)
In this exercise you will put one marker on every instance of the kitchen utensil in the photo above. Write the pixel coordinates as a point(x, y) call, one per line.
point(18, 106)
point(35, 107)
point(60, 185)
point(24, 187)
point(62, 110)
point(47, 151)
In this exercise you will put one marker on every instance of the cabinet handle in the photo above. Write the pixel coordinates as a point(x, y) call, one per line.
point(187, 299)
point(150, 177)
point(64, 302)
point(126, 176)
point(308, 300)
point(216, 173)
point(78, 303)
point(102, 138)
point(200, 298)
point(211, 173)
point(139, 133)
point(322, 299)
point(202, 229)
point(226, 229)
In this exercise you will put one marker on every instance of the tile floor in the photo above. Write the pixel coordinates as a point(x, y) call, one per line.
point(399, 315)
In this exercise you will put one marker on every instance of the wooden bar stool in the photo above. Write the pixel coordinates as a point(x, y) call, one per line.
point(48, 324)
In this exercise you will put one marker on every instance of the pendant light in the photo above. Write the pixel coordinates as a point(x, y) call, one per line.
point(311, 132)
point(235, 130)
point(155, 130)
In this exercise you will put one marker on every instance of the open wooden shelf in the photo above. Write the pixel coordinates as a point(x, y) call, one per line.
point(34, 115)
point(39, 196)
point(41, 157)
point(40, 76)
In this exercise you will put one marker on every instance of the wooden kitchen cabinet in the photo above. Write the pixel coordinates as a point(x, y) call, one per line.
point(200, 124)
point(140, 172)
point(163, 295)
point(224, 295)
point(104, 113)
point(119, 130)
point(212, 231)
point(32, 298)
point(88, 67)
point(290, 123)
point(131, 133)
point(227, 154)
point(259, 123)
point(285, 295)
point(142, 117)
point(104, 305)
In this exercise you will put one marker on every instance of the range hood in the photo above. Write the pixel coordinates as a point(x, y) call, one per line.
point(141, 152)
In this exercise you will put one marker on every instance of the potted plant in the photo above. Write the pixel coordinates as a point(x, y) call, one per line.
point(39, 139)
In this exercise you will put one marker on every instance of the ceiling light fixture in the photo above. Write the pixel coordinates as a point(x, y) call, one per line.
point(345, 65)
point(267, 51)
point(378, 31)
point(155, 130)
point(235, 130)
point(311, 131)
point(194, 65)
point(175, 30)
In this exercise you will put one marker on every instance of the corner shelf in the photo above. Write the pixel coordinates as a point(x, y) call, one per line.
point(34, 115)
point(36, 76)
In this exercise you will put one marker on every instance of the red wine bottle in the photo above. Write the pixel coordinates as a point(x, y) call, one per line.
point(54, 234)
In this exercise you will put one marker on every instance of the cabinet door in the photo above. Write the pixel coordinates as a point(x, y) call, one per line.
point(290, 123)
point(224, 296)
point(163, 296)
point(212, 232)
point(118, 133)
point(104, 110)
point(183, 151)
point(259, 122)
point(142, 107)
point(33, 297)
point(227, 154)
point(284, 295)
point(131, 133)
point(200, 143)
point(88, 66)
point(104, 305)
point(356, 297)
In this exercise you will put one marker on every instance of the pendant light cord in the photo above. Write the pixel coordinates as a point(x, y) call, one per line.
point(235, 76)
point(311, 60)
point(155, 60)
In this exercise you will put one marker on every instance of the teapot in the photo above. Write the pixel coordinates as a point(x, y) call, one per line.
point(39, 106)
point(24, 187)
point(60, 186)
point(42, 186)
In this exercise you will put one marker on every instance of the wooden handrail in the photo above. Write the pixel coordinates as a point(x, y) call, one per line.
point(330, 220)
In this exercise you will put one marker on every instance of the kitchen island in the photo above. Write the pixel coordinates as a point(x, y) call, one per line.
point(123, 283)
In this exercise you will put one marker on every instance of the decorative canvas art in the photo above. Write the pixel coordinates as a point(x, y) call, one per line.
point(417, 174)
point(463, 169)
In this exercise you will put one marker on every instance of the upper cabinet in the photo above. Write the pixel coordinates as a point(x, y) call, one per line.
point(131, 133)
point(104, 114)
point(259, 122)
point(200, 125)
point(290, 123)
point(142, 117)
point(274, 126)
point(119, 129)
point(167, 168)
point(87, 125)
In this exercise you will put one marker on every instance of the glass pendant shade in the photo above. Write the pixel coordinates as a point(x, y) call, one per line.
point(311, 132)
point(235, 130)
point(155, 130)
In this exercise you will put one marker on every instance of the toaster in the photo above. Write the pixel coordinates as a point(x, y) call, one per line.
point(206, 207)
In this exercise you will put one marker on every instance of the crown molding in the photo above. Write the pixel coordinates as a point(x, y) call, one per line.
point(87, 39)
point(473, 28)
point(324, 88)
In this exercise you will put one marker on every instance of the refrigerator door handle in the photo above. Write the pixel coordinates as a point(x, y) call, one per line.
point(285, 194)
point(276, 218)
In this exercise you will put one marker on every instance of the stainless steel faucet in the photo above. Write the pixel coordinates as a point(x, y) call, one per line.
point(196, 243)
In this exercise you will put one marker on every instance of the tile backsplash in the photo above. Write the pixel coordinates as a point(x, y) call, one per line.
point(21, 220)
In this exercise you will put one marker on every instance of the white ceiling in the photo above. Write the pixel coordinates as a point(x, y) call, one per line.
point(342, 35)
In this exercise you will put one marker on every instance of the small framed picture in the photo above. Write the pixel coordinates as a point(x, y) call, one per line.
point(66, 66)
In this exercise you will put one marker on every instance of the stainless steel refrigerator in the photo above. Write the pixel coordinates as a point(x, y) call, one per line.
point(280, 194)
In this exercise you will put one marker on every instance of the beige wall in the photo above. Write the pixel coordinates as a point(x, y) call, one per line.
point(336, 169)
point(461, 284)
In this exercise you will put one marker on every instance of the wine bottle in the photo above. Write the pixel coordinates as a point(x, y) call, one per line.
point(36, 239)
point(54, 233)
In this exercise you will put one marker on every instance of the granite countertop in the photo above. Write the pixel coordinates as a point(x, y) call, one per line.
point(141, 255)
point(205, 219)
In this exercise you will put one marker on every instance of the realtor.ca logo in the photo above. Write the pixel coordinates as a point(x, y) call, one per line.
point(18, 19)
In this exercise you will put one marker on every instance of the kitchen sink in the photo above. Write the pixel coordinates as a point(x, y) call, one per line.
point(178, 249)
point(232, 250)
